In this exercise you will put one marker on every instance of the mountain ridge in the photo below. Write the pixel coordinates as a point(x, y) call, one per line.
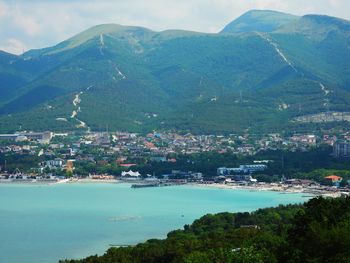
point(133, 78)
point(258, 20)
point(114, 26)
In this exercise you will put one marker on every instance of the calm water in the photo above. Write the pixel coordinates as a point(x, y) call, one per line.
point(48, 223)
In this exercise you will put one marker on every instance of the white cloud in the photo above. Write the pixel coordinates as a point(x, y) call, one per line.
point(336, 3)
point(3, 9)
point(25, 22)
point(13, 46)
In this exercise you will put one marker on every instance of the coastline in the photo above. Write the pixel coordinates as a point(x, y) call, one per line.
point(273, 188)
point(93, 181)
point(111, 214)
point(283, 189)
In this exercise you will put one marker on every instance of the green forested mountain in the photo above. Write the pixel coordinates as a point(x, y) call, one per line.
point(261, 72)
point(267, 21)
point(317, 231)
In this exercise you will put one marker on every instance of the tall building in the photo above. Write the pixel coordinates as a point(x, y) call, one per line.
point(341, 149)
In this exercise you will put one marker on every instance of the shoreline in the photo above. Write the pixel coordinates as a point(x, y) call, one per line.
point(272, 188)
point(311, 192)
point(93, 181)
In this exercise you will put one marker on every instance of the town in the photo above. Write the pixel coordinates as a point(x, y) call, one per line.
point(169, 158)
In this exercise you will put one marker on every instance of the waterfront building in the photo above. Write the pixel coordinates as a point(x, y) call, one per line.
point(228, 171)
point(336, 180)
point(242, 169)
point(251, 168)
point(131, 174)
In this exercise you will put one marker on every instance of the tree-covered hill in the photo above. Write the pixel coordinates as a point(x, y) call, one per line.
point(261, 72)
point(260, 21)
point(317, 231)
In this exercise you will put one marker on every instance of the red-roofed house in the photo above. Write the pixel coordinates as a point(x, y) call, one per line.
point(334, 179)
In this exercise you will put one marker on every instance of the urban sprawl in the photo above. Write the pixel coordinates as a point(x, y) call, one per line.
point(149, 160)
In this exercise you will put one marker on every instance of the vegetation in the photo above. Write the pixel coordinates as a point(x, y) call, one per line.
point(260, 21)
point(314, 164)
point(317, 231)
point(140, 80)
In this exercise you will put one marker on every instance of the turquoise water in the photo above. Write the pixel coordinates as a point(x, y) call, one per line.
point(48, 223)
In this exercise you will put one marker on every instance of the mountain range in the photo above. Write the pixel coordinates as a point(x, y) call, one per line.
point(265, 71)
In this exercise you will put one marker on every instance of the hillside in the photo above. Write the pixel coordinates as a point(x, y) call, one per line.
point(260, 21)
point(263, 72)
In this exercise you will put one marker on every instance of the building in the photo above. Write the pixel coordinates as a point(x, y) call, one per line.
point(178, 174)
point(252, 168)
point(39, 136)
point(131, 174)
point(44, 137)
point(297, 182)
point(103, 139)
point(304, 139)
point(334, 179)
point(8, 137)
point(228, 171)
point(341, 149)
point(242, 177)
point(242, 169)
point(53, 164)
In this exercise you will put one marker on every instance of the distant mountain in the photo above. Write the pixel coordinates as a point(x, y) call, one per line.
point(317, 26)
point(263, 72)
point(259, 20)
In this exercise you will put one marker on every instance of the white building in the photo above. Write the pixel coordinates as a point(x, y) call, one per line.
point(131, 174)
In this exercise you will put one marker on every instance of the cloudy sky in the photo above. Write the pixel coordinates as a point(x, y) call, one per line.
point(27, 24)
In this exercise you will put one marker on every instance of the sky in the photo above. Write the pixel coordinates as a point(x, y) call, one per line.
point(30, 24)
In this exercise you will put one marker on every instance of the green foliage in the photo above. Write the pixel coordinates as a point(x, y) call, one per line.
point(24, 162)
point(260, 21)
point(138, 80)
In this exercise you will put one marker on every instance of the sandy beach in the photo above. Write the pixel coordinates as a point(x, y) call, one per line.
point(274, 188)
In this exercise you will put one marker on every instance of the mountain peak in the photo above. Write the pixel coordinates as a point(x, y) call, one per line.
point(263, 12)
point(325, 20)
point(111, 29)
point(135, 79)
point(91, 33)
point(259, 20)
point(317, 26)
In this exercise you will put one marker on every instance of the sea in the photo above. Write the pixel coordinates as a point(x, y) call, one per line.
point(46, 223)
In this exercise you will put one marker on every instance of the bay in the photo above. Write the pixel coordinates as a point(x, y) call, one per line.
point(45, 223)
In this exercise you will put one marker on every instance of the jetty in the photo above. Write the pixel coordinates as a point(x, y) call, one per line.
point(143, 185)
point(155, 184)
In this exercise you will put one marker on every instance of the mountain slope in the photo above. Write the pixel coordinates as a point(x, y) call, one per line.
point(259, 20)
point(259, 76)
